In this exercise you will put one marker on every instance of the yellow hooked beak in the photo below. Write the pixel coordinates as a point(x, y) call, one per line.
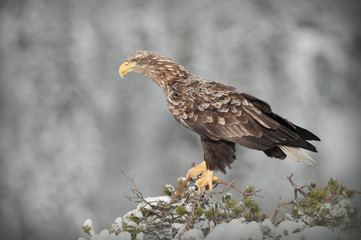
point(125, 68)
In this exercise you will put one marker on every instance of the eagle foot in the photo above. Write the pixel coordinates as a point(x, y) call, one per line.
point(205, 177)
point(206, 181)
point(197, 170)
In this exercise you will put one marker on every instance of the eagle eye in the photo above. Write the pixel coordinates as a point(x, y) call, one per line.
point(136, 60)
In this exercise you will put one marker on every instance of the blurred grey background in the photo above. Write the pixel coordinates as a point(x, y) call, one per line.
point(69, 124)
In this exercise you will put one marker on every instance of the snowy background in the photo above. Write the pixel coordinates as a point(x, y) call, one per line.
point(69, 124)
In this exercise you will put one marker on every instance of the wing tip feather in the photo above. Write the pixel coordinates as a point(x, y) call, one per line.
point(297, 155)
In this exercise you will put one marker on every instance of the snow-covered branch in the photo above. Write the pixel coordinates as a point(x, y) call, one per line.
point(184, 214)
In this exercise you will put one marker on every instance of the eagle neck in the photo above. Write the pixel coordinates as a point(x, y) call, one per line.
point(167, 77)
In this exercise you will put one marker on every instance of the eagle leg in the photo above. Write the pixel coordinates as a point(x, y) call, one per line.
point(205, 176)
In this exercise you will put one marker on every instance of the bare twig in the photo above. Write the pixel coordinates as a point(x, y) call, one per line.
point(277, 209)
point(231, 185)
point(136, 192)
point(286, 205)
point(180, 188)
point(296, 187)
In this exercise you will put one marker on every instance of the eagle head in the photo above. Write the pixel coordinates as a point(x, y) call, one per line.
point(154, 66)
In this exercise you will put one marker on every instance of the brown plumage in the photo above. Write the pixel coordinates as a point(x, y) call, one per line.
point(220, 114)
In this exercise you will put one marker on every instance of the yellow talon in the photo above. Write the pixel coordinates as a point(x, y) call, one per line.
point(206, 178)
point(200, 169)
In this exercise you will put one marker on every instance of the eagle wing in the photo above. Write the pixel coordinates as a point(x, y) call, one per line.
point(221, 112)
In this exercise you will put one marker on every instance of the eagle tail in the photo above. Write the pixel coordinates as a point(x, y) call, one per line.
point(297, 154)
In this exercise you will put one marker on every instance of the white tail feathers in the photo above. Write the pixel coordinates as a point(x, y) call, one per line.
point(297, 154)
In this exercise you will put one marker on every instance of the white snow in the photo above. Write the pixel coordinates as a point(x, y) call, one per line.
point(201, 225)
point(339, 212)
point(157, 199)
point(88, 224)
point(181, 179)
point(134, 213)
point(140, 236)
point(104, 235)
point(153, 201)
point(340, 209)
point(117, 225)
point(288, 227)
point(267, 227)
point(118, 221)
point(327, 205)
point(192, 234)
point(189, 207)
point(178, 225)
point(317, 232)
point(228, 194)
point(169, 186)
point(235, 230)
